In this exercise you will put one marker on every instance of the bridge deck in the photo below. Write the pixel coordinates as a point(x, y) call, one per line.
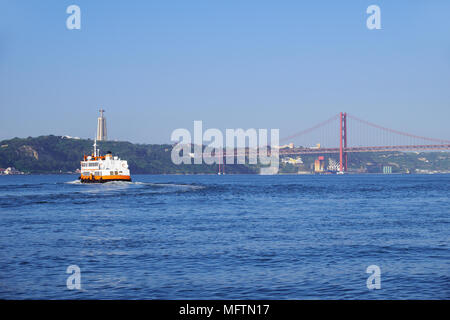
point(366, 149)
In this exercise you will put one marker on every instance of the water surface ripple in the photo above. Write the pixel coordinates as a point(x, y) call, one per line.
point(226, 237)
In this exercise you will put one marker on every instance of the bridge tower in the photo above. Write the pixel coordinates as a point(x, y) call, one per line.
point(343, 142)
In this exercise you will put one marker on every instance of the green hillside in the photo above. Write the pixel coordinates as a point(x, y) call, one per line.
point(55, 154)
point(373, 162)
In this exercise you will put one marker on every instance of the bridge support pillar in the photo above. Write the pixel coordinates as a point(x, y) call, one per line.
point(343, 142)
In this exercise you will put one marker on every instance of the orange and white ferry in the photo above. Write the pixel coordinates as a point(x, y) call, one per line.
point(98, 169)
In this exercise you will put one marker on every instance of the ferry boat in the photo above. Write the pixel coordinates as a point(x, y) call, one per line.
point(98, 169)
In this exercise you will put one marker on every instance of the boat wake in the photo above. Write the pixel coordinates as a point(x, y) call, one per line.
point(73, 182)
point(158, 187)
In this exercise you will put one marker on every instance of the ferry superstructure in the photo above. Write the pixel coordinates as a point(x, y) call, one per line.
point(98, 169)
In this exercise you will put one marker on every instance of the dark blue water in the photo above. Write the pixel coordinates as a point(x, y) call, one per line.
point(226, 237)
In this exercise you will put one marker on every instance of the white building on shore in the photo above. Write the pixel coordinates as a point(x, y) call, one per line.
point(10, 171)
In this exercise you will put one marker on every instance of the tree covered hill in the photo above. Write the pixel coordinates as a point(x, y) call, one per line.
point(56, 154)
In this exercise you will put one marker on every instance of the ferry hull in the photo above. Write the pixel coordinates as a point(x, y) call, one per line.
point(103, 179)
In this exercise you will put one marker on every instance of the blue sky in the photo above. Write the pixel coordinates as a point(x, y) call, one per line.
point(159, 65)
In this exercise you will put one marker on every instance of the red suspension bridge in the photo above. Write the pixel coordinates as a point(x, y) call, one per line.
point(360, 133)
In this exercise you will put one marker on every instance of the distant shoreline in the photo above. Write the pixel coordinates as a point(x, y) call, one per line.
point(238, 174)
point(44, 154)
